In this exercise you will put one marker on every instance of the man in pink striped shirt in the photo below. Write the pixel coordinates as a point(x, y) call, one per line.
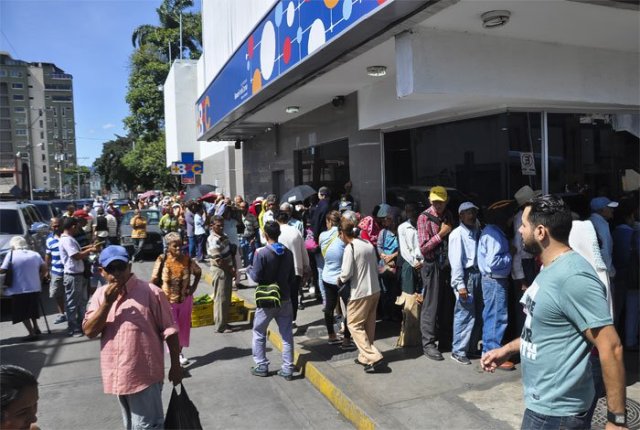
point(133, 317)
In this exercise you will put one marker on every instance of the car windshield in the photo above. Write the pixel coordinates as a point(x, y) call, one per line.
point(10, 222)
point(153, 217)
point(44, 211)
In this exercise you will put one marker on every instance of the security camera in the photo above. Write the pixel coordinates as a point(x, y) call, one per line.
point(338, 101)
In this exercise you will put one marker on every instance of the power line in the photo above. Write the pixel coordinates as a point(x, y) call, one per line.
point(10, 44)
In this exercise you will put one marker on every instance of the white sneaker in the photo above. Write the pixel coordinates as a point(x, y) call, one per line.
point(183, 360)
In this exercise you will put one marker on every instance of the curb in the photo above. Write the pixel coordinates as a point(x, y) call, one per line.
point(342, 402)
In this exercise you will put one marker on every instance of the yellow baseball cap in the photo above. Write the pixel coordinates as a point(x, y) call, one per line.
point(438, 193)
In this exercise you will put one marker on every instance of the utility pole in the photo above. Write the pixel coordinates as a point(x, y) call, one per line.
point(59, 157)
point(78, 173)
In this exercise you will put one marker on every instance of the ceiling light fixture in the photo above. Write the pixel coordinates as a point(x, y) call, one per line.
point(377, 71)
point(495, 18)
point(292, 109)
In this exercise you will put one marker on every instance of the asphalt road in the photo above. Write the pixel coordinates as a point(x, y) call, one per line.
point(218, 381)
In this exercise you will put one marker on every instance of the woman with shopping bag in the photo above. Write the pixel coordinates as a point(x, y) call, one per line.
point(360, 272)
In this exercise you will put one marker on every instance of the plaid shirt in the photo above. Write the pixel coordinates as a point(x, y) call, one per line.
point(428, 236)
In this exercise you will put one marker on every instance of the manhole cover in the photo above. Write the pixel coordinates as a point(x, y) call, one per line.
point(599, 420)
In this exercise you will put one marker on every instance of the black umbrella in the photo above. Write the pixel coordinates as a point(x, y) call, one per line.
point(297, 194)
point(194, 192)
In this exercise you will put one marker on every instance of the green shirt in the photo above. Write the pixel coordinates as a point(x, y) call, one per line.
point(565, 299)
point(168, 223)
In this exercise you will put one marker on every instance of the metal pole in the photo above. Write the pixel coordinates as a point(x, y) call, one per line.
point(30, 175)
point(78, 172)
point(544, 153)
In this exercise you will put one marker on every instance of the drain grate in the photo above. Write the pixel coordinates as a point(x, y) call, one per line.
point(600, 415)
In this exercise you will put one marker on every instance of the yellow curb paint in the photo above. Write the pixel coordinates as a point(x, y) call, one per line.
point(328, 389)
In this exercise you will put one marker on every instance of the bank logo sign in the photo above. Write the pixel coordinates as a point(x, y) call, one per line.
point(291, 32)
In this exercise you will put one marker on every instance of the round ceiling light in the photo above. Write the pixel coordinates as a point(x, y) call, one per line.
point(292, 109)
point(495, 18)
point(377, 71)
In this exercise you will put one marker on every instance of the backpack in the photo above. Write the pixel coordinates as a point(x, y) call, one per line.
point(268, 295)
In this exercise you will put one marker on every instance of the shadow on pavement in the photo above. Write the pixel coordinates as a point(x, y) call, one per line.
point(226, 353)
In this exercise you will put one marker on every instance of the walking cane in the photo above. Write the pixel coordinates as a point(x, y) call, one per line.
point(44, 315)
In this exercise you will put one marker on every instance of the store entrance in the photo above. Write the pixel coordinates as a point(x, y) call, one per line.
point(323, 165)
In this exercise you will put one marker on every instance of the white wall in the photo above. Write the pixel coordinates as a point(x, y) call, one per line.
point(180, 94)
point(225, 25)
point(219, 167)
point(448, 74)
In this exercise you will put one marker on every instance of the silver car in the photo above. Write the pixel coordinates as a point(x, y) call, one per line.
point(153, 242)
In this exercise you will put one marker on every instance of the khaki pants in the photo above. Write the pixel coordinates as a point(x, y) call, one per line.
point(410, 330)
point(221, 297)
point(361, 319)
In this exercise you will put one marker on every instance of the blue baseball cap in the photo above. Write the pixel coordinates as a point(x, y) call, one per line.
point(113, 253)
point(598, 203)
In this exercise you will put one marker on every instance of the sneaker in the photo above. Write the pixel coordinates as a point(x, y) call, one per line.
point(285, 375)
point(261, 370)
point(183, 360)
point(460, 358)
point(61, 318)
point(78, 334)
point(433, 354)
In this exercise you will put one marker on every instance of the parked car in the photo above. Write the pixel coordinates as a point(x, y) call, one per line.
point(21, 219)
point(45, 209)
point(61, 205)
point(153, 243)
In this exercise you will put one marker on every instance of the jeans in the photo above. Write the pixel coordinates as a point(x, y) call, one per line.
point(494, 315)
point(201, 243)
point(631, 319)
point(248, 249)
point(283, 317)
point(535, 421)
point(192, 246)
point(320, 265)
point(143, 410)
point(465, 314)
point(75, 290)
point(138, 244)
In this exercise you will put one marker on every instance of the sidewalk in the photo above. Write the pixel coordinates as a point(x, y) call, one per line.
point(414, 392)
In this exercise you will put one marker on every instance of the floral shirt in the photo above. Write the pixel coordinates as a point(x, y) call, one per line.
point(176, 276)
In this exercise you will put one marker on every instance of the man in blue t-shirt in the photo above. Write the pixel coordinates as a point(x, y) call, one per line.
point(566, 314)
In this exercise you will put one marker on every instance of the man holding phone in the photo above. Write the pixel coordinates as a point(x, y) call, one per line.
point(133, 316)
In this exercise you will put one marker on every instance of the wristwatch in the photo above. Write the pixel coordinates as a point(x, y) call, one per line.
point(617, 419)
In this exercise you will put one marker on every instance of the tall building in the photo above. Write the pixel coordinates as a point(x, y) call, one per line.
point(37, 126)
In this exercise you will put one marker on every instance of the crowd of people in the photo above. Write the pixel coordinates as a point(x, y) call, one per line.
point(464, 283)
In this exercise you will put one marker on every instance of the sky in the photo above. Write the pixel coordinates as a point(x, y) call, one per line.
point(90, 39)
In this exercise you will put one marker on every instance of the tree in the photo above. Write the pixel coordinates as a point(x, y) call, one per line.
point(148, 160)
point(110, 167)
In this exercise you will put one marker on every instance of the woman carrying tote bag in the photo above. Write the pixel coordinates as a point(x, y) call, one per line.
point(360, 269)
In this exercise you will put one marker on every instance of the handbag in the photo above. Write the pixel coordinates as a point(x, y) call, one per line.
point(182, 414)
point(8, 274)
point(344, 289)
point(310, 243)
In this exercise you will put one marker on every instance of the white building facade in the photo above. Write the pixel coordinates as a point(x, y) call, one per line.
point(397, 96)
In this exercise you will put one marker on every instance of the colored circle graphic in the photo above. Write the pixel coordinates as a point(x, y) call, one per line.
point(267, 50)
point(299, 35)
point(250, 46)
point(330, 4)
point(256, 82)
point(347, 6)
point(291, 13)
point(278, 16)
point(286, 50)
point(317, 36)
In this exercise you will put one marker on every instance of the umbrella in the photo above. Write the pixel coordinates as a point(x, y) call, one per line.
point(297, 194)
point(194, 192)
point(147, 194)
point(209, 197)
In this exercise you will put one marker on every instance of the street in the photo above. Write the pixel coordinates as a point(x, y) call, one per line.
point(217, 380)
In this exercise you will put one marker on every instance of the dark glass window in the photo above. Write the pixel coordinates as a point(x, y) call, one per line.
point(10, 222)
point(326, 164)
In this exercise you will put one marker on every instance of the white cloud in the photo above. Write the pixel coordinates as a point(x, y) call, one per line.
point(108, 126)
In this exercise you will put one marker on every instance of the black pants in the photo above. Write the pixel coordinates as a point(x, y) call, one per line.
point(294, 295)
point(436, 317)
point(332, 296)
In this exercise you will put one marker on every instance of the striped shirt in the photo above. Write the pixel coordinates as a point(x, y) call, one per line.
point(57, 268)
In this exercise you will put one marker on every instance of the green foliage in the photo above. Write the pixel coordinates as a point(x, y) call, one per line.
point(110, 167)
point(147, 159)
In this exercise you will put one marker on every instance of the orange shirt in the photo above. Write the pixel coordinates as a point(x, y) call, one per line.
point(176, 276)
point(139, 224)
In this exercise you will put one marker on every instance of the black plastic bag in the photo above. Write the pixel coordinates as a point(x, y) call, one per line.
point(182, 414)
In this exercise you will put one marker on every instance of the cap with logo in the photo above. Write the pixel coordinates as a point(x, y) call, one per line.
point(438, 194)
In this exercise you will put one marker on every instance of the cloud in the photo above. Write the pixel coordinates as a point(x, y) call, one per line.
point(108, 126)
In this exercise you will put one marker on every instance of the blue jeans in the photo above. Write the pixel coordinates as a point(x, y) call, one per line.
point(494, 315)
point(320, 265)
point(248, 249)
point(464, 314)
point(192, 246)
point(75, 291)
point(535, 421)
point(283, 316)
point(143, 410)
